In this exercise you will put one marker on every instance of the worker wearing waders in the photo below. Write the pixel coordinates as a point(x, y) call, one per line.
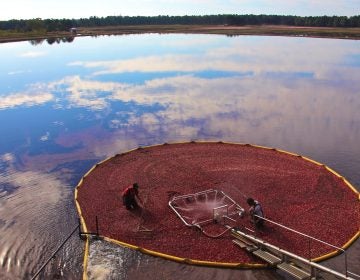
point(129, 196)
point(256, 213)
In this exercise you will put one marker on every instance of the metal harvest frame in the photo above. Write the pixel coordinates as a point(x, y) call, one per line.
point(238, 210)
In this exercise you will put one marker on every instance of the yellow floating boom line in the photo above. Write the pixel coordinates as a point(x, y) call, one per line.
point(200, 262)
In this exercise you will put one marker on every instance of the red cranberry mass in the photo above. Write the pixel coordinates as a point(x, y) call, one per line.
point(293, 191)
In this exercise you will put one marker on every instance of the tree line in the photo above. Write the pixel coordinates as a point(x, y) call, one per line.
point(49, 25)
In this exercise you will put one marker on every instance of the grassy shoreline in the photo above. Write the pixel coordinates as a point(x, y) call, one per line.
point(261, 30)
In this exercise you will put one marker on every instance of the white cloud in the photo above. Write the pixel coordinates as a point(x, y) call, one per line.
point(297, 7)
point(75, 9)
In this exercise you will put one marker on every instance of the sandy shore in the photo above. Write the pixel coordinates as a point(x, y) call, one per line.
point(261, 30)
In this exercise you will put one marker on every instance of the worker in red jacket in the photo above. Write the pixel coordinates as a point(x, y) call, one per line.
point(129, 196)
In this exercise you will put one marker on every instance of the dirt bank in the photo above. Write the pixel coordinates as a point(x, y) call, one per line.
point(261, 30)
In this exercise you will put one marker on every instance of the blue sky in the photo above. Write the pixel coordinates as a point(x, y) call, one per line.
point(25, 9)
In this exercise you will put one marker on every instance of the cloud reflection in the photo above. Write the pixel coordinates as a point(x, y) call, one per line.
point(18, 72)
point(28, 214)
point(165, 63)
point(8, 157)
point(260, 55)
point(32, 54)
point(297, 87)
point(233, 107)
point(84, 93)
point(24, 99)
point(45, 137)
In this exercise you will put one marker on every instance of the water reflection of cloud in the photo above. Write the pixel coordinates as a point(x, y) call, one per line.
point(58, 123)
point(267, 54)
point(261, 107)
point(18, 72)
point(45, 137)
point(120, 142)
point(32, 182)
point(259, 55)
point(84, 93)
point(165, 63)
point(188, 97)
point(27, 213)
point(187, 40)
point(32, 54)
point(24, 99)
point(8, 157)
point(296, 85)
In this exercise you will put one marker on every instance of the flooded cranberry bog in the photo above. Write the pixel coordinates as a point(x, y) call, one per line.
point(296, 193)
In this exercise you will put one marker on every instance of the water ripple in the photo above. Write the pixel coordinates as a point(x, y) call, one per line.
point(31, 206)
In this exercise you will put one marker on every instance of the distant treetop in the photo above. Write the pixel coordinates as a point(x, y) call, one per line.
point(66, 24)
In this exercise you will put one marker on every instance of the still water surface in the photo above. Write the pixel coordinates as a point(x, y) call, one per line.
point(65, 106)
